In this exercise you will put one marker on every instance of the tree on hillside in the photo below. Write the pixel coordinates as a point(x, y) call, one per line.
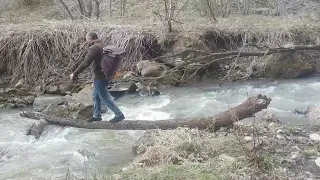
point(85, 8)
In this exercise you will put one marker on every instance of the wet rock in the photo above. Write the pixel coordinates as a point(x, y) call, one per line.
point(2, 106)
point(81, 112)
point(248, 138)
point(133, 88)
point(280, 137)
point(41, 102)
point(273, 118)
point(147, 90)
point(295, 155)
point(313, 114)
point(300, 112)
point(315, 137)
point(149, 69)
point(317, 161)
point(37, 128)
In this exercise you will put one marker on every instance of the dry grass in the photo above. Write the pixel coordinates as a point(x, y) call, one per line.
point(41, 54)
point(48, 51)
point(182, 145)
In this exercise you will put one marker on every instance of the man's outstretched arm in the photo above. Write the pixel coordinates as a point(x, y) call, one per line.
point(86, 63)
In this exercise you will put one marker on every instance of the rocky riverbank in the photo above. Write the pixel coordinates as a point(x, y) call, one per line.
point(260, 151)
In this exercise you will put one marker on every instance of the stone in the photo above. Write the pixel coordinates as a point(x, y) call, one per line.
point(149, 69)
point(313, 114)
point(133, 88)
point(315, 137)
point(317, 161)
point(147, 90)
point(84, 96)
point(29, 99)
point(2, 106)
point(38, 90)
point(20, 105)
point(20, 83)
point(52, 90)
point(42, 102)
point(248, 138)
point(280, 137)
point(10, 105)
point(295, 155)
point(300, 112)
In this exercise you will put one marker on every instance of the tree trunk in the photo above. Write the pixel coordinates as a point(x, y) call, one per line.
point(89, 9)
point(110, 8)
point(242, 111)
point(81, 6)
point(97, 9)
point(67, 9)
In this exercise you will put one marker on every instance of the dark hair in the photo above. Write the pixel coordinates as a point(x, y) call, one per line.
point(92, 35)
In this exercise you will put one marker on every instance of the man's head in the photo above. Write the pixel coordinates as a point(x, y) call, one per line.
point(91, 37)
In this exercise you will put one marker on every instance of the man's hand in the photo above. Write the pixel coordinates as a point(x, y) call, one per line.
point(73, 78)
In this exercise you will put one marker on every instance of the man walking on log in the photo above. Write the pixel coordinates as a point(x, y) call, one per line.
point(101, 82)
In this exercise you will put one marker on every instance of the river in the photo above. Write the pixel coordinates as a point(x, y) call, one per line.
point(86, 152)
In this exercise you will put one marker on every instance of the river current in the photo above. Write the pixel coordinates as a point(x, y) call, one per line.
point(83, 153)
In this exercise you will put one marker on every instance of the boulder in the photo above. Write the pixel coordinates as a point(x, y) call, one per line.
point(29, 99)
point(289, 65)
point(57, 110)
point(42, 102)
point(84, 96)
point(52, 90)
point(313, 114)
point(149, 69)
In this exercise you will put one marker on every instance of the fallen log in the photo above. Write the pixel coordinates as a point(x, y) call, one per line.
point(247, 109)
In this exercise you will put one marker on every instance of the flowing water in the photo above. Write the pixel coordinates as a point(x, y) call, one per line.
point(85, 152)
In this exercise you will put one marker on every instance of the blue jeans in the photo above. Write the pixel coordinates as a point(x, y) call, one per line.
point(102, 95)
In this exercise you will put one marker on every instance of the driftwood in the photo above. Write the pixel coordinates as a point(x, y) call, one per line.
point(247, 109)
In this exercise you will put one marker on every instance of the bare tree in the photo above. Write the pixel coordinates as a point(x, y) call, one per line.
point(123, 7)
point(110, 8)
point(67, 9)
point(171, 11)
point(97, 8)
point(81, 6)
point(89, 8)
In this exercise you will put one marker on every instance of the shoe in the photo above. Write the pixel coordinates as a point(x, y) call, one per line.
point(117, 119)
point(93, 119)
